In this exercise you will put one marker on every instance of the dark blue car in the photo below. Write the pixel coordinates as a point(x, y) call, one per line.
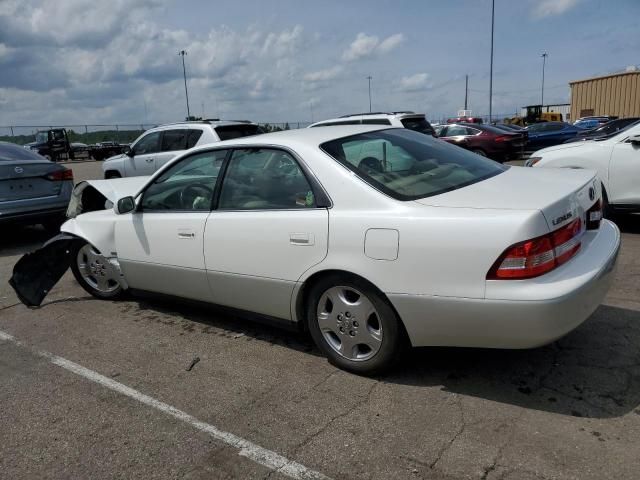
point(547, 134)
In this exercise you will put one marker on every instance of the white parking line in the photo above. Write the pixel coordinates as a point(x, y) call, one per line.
point(258, 454)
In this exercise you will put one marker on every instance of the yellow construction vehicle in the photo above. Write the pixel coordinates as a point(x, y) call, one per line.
point(534, 115)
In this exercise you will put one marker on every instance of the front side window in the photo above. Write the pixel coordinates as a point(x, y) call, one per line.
point(407, 165)
point(186, 186)
point(150, 143)
point(173, 140)
point(264, 178)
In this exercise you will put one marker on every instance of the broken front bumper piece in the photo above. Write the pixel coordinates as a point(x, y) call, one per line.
point(37, 272)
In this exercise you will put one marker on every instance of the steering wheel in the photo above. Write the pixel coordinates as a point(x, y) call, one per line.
point(189, 193)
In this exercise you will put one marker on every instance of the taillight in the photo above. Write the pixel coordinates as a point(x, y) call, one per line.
point(59, 175)
point(538, 256)
point(503, 138)
point(594, 216)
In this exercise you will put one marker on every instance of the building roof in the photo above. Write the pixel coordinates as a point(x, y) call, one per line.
point(632, 72)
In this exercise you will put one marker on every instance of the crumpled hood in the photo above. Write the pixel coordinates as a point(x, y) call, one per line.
point(91, 195)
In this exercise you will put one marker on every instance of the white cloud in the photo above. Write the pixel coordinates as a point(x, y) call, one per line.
point(414, 83)
point(547, 8)
point(368, 45)
point(323, 75)
point(390, 43)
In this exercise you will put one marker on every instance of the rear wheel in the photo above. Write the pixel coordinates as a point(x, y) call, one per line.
point(94, 273)
point(353, 325)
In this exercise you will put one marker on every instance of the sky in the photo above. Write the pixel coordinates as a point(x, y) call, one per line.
point(116, 61)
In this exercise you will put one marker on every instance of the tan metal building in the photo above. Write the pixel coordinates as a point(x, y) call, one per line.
point(615, 94)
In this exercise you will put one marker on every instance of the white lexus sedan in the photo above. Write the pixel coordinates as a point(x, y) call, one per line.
point(616, 159)
point(370, 238)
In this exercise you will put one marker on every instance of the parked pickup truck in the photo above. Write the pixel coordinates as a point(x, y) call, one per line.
point(54, 145)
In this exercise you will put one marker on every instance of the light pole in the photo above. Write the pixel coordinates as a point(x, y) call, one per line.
point(466, 90)
point(544, 61)
point(369, 78)
point(493, 5)
point(182, 53)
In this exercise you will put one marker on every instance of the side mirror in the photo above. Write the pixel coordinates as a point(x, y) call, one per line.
point(125, 205)
point(128, 151)
point(635, 140)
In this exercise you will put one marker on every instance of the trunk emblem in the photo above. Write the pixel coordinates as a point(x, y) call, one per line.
point(18, 169)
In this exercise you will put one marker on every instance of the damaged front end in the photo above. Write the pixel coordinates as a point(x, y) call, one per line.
point(91, 222)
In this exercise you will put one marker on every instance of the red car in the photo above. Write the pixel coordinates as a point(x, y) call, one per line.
point(484, 140)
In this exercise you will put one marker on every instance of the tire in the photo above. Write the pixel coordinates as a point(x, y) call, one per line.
point(93, 273)
point(112, 174)
point(336, 308)
point(479, 151)
point(607, 210)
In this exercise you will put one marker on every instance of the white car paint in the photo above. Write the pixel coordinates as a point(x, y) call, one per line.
point(429, 257)
point(616, 159)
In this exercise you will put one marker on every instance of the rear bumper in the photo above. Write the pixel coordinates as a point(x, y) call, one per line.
point(30, 217)
point(520, 314)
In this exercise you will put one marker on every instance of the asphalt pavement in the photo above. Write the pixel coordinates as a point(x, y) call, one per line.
point(151, 388)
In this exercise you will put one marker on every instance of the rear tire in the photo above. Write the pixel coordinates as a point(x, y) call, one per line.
point(353, 325)
point(94, 273)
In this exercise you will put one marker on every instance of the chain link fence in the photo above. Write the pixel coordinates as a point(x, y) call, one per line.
point(119, 133)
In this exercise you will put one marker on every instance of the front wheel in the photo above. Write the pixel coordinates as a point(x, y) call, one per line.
point(94, 273)
point(353, 325)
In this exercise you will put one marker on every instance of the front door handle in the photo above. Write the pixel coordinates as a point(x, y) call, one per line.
point(303, 239)
point(149, 160)
point(186, 234)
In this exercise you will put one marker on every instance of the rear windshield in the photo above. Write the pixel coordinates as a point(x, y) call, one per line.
point(407, 165)
point(418, 124)
point(228, 132)
point(11, 153)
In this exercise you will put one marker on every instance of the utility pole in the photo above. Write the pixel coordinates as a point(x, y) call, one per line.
point(311, 107)
point(369, 78)
point(466, 90)
point(544, 61)
point(182, 53)
point(493, 7)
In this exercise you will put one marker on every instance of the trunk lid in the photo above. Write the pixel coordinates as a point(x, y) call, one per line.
point(27, 180)
point(562, 195)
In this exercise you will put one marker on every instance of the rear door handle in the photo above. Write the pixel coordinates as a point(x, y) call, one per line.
point(302, 239)
point(148, 160)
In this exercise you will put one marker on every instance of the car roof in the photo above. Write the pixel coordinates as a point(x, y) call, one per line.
point(373, 115)
point(195, 123)
point(304, 136)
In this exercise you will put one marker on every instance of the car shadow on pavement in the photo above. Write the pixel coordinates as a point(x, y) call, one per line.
point(628, 223)
point(593, 372)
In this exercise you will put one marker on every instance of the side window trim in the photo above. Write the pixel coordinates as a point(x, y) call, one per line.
point(322, 198)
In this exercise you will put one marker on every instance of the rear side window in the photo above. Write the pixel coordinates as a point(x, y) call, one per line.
point(11, 153)
point(407, 165)
point(418, 124)
point(376, 121)
point(228, 132)
point(193, 137)
point(173, 140)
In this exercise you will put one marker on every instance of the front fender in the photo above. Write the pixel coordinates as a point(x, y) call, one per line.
point(97, 228)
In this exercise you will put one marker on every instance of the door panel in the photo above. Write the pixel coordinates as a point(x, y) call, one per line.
point(624, 174)
point(162, 252)
point(266, 252)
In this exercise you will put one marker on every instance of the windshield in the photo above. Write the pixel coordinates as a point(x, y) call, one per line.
point(617, 132)
point(418, 124)
point(42, 137)
point(236, 131)
point(407, 165)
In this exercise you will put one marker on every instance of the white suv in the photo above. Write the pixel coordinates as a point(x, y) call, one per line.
point(410, 120)
point(157, 146)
